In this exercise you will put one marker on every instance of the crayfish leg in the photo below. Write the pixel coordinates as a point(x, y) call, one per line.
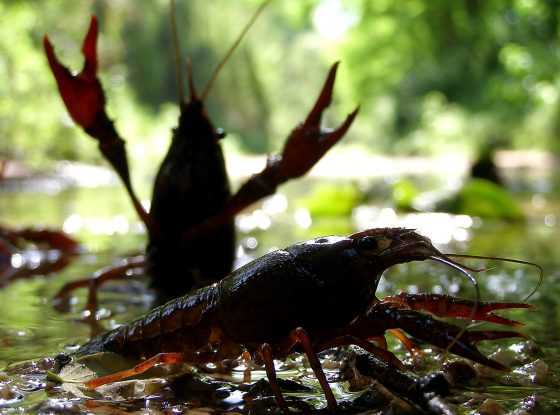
point(52, 239)
point(446, 306)
point(347, 340)
point(300, 336)
point(167, 358)
point(266, 354)
point(99, 278)
point(412, 348)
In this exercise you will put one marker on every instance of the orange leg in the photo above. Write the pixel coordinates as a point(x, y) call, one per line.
point(380, 340)
point(412, 348)
point(166, 358)
point(266, 353)
point(299, 336)
point(99, 278)
point(447, 306)
point(246, 356)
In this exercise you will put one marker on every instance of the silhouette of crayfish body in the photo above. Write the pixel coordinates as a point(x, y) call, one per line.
point(325, 282)
point(308, 297)
point(191, 186)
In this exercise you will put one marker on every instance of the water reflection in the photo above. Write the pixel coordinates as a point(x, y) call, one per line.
point(30, 328)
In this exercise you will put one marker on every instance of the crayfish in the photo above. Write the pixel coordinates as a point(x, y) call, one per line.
point(27, 252)
point(192, 207)
point(308, 297)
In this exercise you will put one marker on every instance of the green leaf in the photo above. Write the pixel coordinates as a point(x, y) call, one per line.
point(485, 199)
point(332, 200)
point(404, 193)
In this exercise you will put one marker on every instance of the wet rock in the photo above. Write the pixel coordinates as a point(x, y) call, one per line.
point(260, 398)
point(9, 395)
point(506, 357)
point(56, 406)
point(372, 398)
point(490, 407)
point(132, 389)
point(267, 406)
point(460, 372)
point(204, 391)
point(536, 372)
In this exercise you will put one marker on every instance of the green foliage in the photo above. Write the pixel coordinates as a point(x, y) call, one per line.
point(430, 75)
point(404, 193)
point(485, 199)
point(332, 200)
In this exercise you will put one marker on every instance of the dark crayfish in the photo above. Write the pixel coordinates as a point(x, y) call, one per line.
point(309, 297)
point(25, 252)
point(192, 207)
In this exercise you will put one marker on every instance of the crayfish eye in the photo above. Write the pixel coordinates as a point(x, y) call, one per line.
point(373, 244)
point(219, 133)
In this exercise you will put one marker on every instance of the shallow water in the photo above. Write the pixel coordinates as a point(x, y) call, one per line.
point(30, 327)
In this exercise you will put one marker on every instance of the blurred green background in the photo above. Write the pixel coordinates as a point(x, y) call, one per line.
point(431, 76)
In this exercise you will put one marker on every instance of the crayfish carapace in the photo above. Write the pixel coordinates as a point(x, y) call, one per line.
point(308, 297)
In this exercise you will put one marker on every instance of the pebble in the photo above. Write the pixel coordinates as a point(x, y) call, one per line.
point(490, 407)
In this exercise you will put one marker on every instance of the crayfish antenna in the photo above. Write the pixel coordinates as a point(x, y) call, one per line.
point(177, 51)
point(192, 89)
point(232, 49)
point(513, 260)
point(463, 270)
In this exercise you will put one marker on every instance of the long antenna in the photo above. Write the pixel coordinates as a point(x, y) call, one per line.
point(177, 48)
point(515, 261)
point(460, 268)
point(232, 49)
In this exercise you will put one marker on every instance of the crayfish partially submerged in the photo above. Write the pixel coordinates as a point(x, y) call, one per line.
point(309, 297)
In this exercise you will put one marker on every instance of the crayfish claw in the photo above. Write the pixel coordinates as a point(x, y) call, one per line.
point(425, 328)
point(324, 99)
point(332, 137)
point(304, 147)
point(442, 305)
point(308, 143)
point(82, 93)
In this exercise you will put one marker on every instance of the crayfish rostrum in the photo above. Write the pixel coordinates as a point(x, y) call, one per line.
point(308, 297)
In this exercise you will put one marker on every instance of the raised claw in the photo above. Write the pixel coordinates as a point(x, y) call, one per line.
point(304, 147)
point(85, 101)
point(308, 142)
point(82, 93)
point(447, 306)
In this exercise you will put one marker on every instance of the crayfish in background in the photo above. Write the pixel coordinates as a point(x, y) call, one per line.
point(27, 252)
point(308, 297)
point(190, 223)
